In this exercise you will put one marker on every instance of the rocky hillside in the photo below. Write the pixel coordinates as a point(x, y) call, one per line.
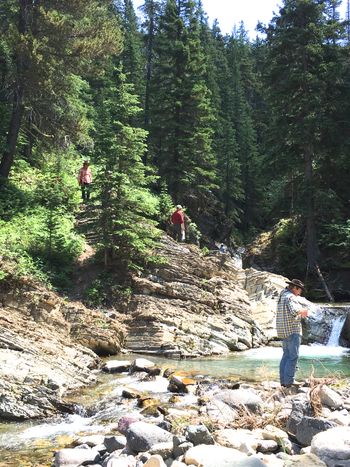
point(200, 305)
point(190, 306)
point(47, 345)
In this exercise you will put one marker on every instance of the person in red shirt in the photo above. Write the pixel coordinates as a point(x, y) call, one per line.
point(178, 222)
point(85, 180)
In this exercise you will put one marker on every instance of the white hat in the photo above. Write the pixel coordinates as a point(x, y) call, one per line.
point(178, 206)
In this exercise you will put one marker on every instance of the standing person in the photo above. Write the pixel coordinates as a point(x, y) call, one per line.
point(178, 221)
point(85, 180)
point(288, 324)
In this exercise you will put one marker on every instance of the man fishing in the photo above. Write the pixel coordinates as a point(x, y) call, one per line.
point(288, 323)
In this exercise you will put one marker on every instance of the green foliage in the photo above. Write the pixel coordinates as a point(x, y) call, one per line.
point(336, 236)
point(181, 113)
point(104, 291)
point(37, 226)
point(126, 222)
point(166, 206)
point(288, 246)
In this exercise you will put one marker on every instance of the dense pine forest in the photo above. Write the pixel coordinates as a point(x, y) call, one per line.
point(250, 136)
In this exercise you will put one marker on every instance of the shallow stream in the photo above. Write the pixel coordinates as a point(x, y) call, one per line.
point(32, 444)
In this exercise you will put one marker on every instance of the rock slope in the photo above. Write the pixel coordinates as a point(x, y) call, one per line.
point(197, 305)
point(47, 346)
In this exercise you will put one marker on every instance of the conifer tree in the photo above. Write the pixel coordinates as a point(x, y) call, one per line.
point(151, 10)
point(127, 206)
point(224, 141)
point(240, 115)
point(47, 45)
point(181, 132)
point(131, 56)
point(298, 78)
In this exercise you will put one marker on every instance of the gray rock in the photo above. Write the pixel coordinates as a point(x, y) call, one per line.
point(113, 443)
point(116, 366)
point(198, 434)
point(219, 456)
point(309, 427)
point(142, 364)
point(304, 460)
point(330, 398)
point(218, 411)
point(179, 440)
point(75, 457)
point(267, 445)
point(181, 449)
point(301, 407)
point(114, 460)
point(165, 425)
point(242, 440)
point(142, 436)
point(333, 446)
point(237, 398)
point(164, 450)
point(125, 421)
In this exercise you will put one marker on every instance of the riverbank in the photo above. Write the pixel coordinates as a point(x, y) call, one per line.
point(135, 409)
point(195, 420)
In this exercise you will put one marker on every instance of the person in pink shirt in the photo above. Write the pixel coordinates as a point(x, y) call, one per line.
point(85, 180)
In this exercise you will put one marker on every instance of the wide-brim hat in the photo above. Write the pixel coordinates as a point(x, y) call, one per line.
point(296, 283)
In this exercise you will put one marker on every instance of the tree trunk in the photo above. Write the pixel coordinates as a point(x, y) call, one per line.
point(323, 282)
point(25, 13)
point(312, 250)
point(12, 136)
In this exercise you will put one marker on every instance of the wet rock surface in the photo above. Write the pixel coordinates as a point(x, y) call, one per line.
point(259, 435)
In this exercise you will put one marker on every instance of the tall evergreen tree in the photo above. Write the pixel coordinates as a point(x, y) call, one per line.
point(131, 56)
point(298, 73)
point(240, 115)
point(127, 206)
point(181, 132)
point(224, 141)
point(151, 10)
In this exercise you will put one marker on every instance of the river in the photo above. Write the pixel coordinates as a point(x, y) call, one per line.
point(31, 444)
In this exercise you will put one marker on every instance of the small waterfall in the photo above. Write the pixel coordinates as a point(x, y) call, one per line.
point(337, 326)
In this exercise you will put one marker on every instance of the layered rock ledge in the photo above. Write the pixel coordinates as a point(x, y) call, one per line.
point(197, 304)
point(47, 346)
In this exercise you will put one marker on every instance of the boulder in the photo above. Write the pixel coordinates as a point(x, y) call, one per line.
point(240, 398)
point(116, 366)
point(309, 427)
point(218, 411)
point(333, 446)
point(198, 434)
point(300, 407)
point(242, 440)
point(113, 443)
point(126, 420)
point(116, 460)
point(215, 456)
point(143, 436)
point(330, 398)
point(75, 457)
point(304, 460)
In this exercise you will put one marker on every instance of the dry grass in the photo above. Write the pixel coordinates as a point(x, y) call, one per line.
point(250, 421)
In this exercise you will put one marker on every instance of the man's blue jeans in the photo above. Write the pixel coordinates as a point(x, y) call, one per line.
point(289, 359)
